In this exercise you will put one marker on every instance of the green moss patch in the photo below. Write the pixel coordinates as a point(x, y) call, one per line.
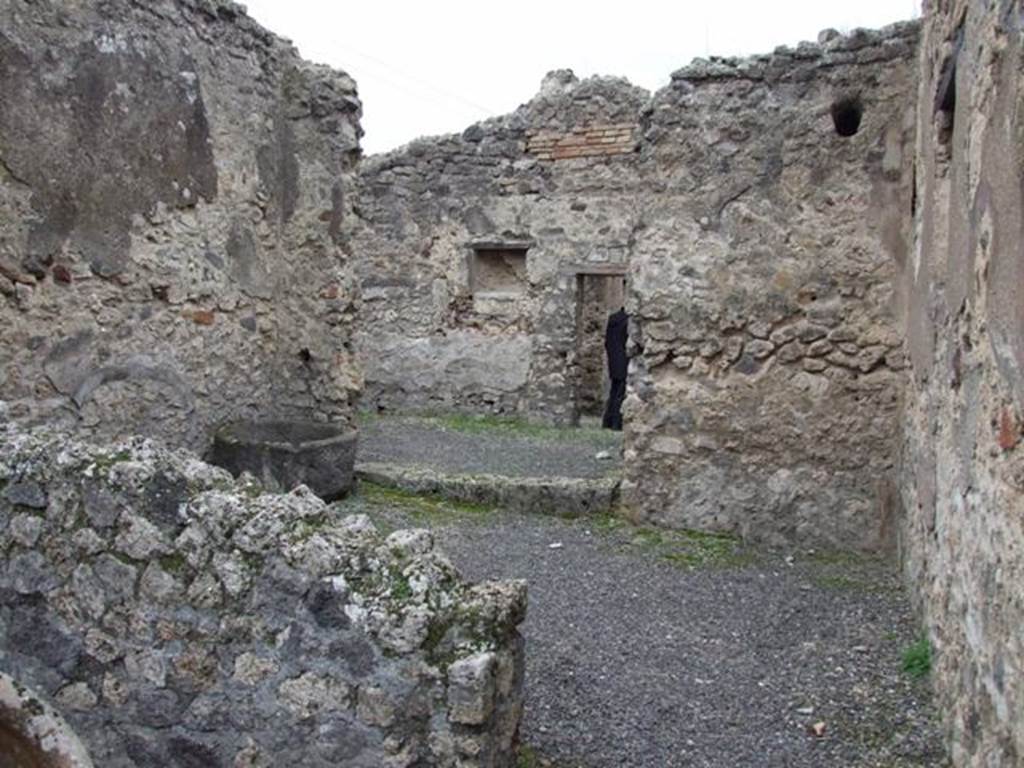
point(530, 757)
point(487, 424)
point(422, 508)
point(173, 563)
point(683, 548)
point(844, 571)
point(104, 461)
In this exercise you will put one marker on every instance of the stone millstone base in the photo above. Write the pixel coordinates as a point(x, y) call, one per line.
point(284, 454)
point(566, 496)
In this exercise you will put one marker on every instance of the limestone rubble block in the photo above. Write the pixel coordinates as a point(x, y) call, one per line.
point(169, 610)
point(175, 190)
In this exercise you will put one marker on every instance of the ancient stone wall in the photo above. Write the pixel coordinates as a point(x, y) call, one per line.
point(963, 463)
point(176, 617)
point(556, 178)
point(758, 246)
point(765, 397)
point(174, 191)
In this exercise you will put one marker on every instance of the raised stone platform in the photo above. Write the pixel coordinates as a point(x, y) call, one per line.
point(497, 462)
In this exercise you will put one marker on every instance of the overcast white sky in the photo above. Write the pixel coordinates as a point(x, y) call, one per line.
point(437, 66)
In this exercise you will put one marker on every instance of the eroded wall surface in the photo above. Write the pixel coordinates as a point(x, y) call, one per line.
point(759, 249)
point(176, 617)
point(963, 473)
point(765, 399)
point(173, 198)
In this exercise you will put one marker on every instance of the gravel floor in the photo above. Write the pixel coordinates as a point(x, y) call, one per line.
point(654, 649)
point(519, 451)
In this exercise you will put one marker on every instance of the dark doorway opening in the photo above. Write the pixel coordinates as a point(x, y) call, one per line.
point(597, 296)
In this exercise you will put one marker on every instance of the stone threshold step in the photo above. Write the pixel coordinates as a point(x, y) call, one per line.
point(563, 496)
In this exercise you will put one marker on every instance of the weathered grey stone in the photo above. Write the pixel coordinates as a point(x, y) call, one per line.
point(46, 638)
point(158, 585)
point(791, 352)
point(264, 620)
point(25, 529)
point(118, 578)
point(471, 689)
point(410, 542)
point(29, 574)
point(77, 696)
point(251, 669)
point(104, 648)
point(102, 505)
point(760, 349)
point(88, 541)
point(89, 591)
point(26, 494)
point(374, 706)
point(311, 694)
point(147, 666)
point(45, 732)
point(205, 591)
point(139, 539)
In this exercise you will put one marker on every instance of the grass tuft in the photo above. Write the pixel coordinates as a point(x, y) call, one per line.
point(917, 659)
point(527, 757)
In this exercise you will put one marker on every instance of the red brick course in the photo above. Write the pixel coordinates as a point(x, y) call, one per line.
point(592, 141)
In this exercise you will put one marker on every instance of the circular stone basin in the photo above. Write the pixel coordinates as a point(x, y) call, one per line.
point(284, 454)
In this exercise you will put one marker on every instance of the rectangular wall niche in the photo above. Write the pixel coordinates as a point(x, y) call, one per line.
point(498, 270)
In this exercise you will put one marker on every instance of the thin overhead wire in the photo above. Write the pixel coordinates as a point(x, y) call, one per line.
point(402, 74)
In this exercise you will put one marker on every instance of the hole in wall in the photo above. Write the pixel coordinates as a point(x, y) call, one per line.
point(498, 270)
point(847, 113)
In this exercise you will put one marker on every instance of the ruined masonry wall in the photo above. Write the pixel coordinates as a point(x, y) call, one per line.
point(175, 616)
point(765, 398)
point(760, 249)
point(963, 462)
point(424, 339)
point(174, 193)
